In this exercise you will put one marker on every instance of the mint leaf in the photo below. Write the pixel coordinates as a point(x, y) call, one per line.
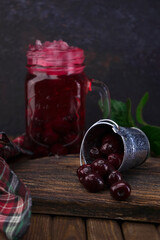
point(140, 107)
point(153, 134)
point(121, 113)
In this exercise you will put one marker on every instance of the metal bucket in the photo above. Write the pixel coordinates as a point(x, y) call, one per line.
point(135, 142)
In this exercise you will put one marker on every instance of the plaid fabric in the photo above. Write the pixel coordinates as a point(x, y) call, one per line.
point(9, 149)
point(15, 199)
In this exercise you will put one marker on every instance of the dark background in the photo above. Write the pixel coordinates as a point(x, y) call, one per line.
point(121, 40)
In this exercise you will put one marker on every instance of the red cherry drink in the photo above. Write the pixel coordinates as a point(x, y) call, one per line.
point(56, 89)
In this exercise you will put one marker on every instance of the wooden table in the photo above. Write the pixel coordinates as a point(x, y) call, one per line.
point(58, 215)
point(49, 227)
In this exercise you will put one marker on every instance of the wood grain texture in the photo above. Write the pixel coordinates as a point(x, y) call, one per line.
point(136, 231)
point(55, 189)
point(98, 229)
point(68, 228)
point(40, 228)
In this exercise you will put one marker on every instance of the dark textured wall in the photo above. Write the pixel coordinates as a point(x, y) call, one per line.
point(121, 40)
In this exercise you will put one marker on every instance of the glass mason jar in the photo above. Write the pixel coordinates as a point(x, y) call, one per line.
point(56, 88)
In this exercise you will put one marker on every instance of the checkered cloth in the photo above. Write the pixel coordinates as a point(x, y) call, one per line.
point(15, 199)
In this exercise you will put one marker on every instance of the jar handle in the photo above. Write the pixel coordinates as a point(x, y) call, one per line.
point(103, 91)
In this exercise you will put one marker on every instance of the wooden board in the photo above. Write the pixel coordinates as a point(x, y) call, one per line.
point(65, 228)
point(143, 231)
point(40, 228)
point(55, 189)
point(98, 229)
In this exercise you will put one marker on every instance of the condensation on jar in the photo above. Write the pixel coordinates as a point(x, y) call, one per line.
point(56, 88)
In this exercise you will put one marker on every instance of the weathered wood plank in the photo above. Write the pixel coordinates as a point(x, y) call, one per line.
point(140, 231)
point(40, 228)
point(98, 229)
point(65, 228)
point(56, 190)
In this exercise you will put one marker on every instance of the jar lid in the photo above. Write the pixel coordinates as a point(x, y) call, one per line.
point(57, 55)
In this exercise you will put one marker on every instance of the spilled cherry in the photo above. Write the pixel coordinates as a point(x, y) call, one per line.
point(120, 190)
point(93, 182)
point(105, 160)
point(83, 170)
point(115, 159)
point(102, 167)
point(114, 177)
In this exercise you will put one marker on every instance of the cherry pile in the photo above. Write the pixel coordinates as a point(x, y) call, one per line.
point(103, 170)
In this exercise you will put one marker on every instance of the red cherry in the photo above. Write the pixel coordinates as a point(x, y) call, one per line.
point(115, 159)
point(50, 137)
point(114, 177)
point(61, 125)
point(102, 167)
point(120, 190)
point(112, 143)
point(83, 170)
point(93, 182)
point(94, 152)
point(58, 149)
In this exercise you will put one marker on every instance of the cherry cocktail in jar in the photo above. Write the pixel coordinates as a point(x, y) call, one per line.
point(56, 88)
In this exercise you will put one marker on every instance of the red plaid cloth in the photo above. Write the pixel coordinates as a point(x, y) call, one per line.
point(15, 199)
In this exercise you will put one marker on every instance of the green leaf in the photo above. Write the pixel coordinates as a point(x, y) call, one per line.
point(121, 113)
point(130, 118)
point(153, 134)
point(140, 107)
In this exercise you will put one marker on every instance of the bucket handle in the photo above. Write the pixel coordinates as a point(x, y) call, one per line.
point(110, 122)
